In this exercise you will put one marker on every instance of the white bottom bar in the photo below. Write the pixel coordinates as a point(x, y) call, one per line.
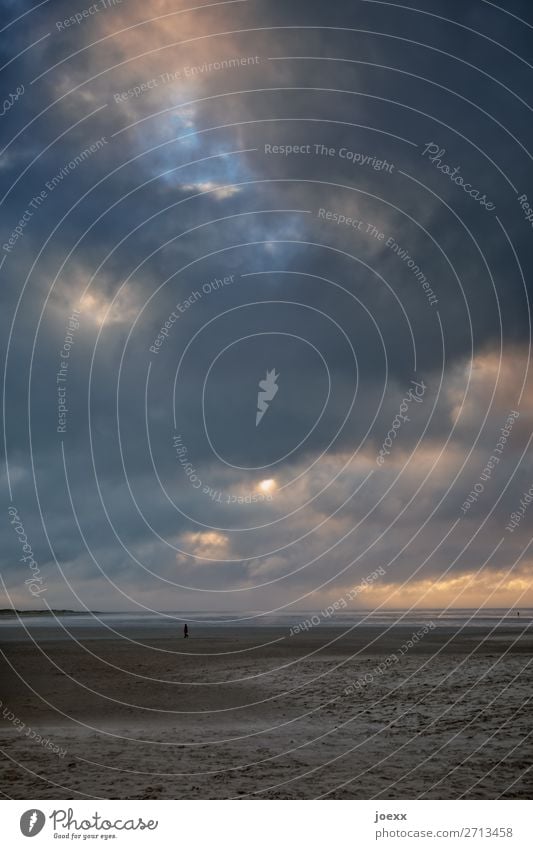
point(268, 824)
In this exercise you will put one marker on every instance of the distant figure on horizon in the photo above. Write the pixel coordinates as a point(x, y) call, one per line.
point(185, 631)
point(518, 613)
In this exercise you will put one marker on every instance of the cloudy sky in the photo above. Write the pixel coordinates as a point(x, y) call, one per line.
point(195, 196)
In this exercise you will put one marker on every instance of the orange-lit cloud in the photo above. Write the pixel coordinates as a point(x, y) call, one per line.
point(206, 544)
point(489, 588)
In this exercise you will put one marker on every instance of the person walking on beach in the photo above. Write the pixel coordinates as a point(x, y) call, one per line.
point(185, 631)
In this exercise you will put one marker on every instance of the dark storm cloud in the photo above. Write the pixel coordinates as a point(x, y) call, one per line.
point(172, 202)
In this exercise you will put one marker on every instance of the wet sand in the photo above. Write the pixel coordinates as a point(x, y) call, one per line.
point(254, 712)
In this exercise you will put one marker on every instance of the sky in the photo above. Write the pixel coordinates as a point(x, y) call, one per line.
point(331, 200)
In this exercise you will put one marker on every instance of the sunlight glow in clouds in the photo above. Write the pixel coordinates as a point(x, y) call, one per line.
point(267, 485)
point(219, 191)
point(100, 309)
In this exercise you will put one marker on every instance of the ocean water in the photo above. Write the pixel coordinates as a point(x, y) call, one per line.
point(168, 622)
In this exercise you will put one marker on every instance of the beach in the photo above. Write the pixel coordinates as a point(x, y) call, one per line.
point(255, 712)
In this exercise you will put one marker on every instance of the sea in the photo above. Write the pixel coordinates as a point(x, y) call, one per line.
point(94, 624)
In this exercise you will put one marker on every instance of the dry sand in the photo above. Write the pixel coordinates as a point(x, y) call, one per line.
point(256, 713)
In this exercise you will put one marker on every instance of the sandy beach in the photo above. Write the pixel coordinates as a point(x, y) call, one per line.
point(253, 712)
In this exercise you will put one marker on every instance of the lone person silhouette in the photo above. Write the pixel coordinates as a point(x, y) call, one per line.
point(185, 631)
